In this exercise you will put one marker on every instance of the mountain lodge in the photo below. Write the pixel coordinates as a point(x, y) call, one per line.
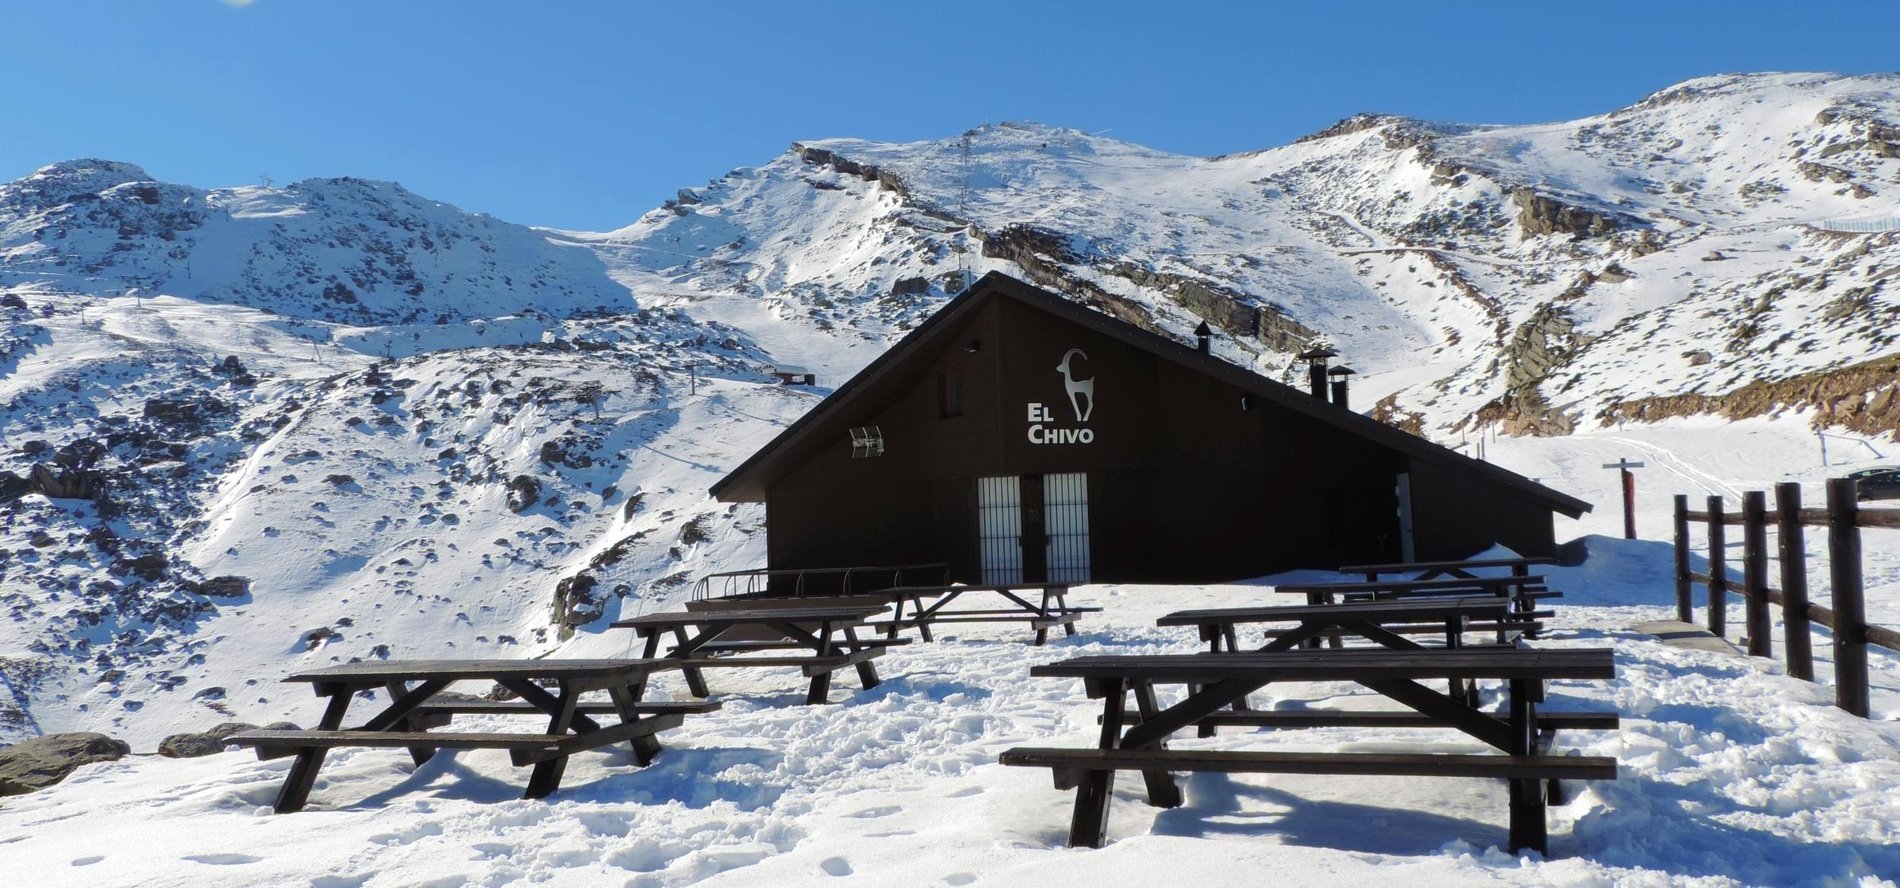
point(1019, 437)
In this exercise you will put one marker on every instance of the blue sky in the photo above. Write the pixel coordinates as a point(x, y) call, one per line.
point(584, 114)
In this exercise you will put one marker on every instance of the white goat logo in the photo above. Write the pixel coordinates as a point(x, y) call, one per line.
point(1079, 389)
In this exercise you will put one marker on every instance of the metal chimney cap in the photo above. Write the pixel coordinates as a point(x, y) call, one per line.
point(1314, 354)
point(1341, 370)
point(1203, 330)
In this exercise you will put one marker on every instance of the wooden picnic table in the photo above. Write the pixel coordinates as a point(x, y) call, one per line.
point(1523, 590)
point(1380, 622)
point(1216, 681)
point(405, 720)
point(1051, 608)
point(895, 598)
point(1427, 570)
point(1371, 620)
point(829, 633)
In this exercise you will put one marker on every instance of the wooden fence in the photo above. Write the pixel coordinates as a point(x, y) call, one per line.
point(1843, 519)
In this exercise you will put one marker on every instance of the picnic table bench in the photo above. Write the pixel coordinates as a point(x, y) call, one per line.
point(894, 598)
point(824, 637)
point(1215, 681)
point(1383, 622)
point(1428, 570)
point(1050, 609)
point(1523, 590)
point(413, 709)
point(1386, 623)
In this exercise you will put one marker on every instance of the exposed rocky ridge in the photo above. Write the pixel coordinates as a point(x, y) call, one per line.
point(1864, 398)
point(1045, 257)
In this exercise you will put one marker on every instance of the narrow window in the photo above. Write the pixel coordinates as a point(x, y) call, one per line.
point(949, 395)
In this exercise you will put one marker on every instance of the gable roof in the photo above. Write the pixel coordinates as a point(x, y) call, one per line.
point(747, 482)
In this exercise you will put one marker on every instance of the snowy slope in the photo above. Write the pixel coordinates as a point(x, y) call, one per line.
point(1731, 774)
point(315, 416)
point(368, 508)
point(344, 250)
point(1536, 276)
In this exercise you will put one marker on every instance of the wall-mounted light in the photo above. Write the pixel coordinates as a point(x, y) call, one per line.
point(866, 442)
point(976, 345)
point(1246, 403)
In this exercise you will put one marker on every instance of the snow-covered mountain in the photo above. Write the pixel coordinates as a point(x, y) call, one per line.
point(1539, 276)
point(345, 250)
point(252, 427)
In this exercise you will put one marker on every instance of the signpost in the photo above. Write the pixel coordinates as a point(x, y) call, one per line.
point(1629, 494)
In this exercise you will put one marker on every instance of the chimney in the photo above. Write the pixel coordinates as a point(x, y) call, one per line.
point(1339, 375)
point(1316, 359)
point(1202, 335)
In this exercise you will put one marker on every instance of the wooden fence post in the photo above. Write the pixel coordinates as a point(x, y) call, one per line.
point(1791, 539)
point(1685, 607)
point(1718, 569)
point(1755, 573)
point(1850, 611)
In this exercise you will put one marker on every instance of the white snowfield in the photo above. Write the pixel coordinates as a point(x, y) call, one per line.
point(1732, 773)
point(417, 368)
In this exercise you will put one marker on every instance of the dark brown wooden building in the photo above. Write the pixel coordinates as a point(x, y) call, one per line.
point(1021, 437)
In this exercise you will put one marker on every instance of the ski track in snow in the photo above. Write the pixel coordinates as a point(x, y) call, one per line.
point(1664, 459)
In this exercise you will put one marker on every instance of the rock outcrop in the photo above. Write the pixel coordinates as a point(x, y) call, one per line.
point(576, 603)
point(1864, 398)
point(1539, 213)
point(211, 742)
point(44, 761)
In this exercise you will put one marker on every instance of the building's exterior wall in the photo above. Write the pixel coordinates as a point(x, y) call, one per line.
point(1185, 485)
point(1455, 516)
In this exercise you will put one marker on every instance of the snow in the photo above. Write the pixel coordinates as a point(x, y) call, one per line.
point(1732, 773)
point(623, 372)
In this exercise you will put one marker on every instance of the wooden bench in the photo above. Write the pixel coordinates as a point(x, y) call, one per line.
point(1216, 680)
point(523, 749)
point(1548, 724)
point(1365, 718)
point(717, 648)
point(1522, 591)
point(1073, 765)
point(439, 713)
point(1426, 570)
point(1502, 630)
point(1372, 620)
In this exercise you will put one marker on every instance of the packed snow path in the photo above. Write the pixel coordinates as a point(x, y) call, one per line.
point(1732, 773)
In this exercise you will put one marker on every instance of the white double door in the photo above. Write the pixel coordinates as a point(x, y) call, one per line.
point(1034, 528)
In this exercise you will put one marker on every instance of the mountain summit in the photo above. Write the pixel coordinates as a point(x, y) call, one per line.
point(1538, 276)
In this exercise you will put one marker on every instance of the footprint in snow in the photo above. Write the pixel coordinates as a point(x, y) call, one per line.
point(880, 811)
point(88, 860)
point(222, 859)
point(836, 866)
point(959, 878)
